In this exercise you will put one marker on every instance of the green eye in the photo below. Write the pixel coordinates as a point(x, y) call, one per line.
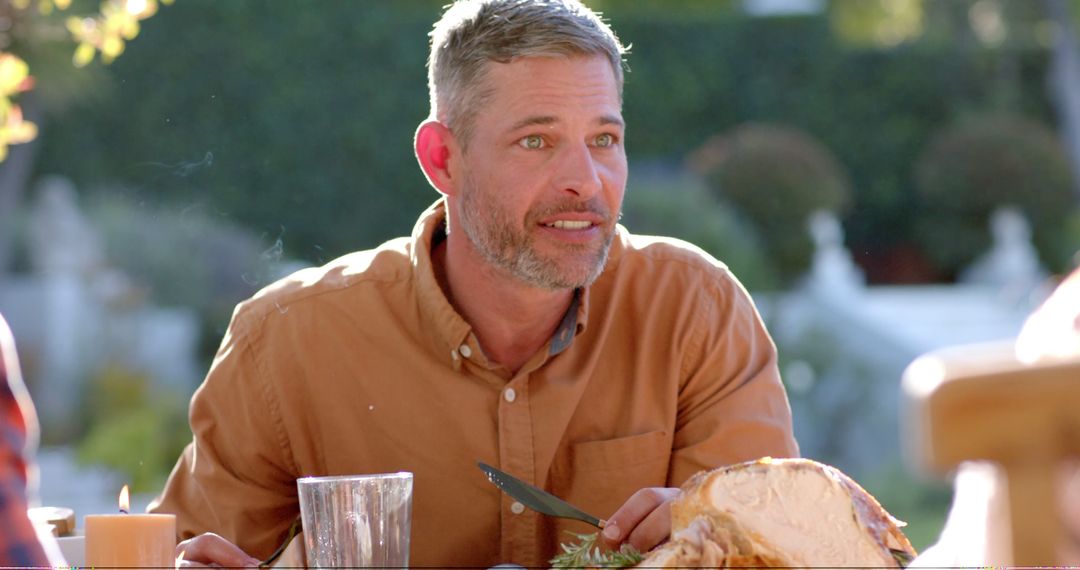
point(532, 142)
point(605, 140)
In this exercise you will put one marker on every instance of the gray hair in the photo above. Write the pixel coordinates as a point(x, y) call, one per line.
point(472, 33)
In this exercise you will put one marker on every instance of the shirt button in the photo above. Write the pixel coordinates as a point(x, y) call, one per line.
point(465, 350)
point(517, 508)
point(510, 395)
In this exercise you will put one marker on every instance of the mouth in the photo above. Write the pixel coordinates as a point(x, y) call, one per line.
point(573, 229)
point(569, 224)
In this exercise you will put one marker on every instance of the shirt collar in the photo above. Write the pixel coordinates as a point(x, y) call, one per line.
point(448, 329)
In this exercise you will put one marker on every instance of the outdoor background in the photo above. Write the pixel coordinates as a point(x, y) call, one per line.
point(234, 140)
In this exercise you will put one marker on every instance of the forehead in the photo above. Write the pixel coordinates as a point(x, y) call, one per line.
point(563, 88)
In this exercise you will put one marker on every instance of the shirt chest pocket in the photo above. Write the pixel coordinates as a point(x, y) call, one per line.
point(601, 475)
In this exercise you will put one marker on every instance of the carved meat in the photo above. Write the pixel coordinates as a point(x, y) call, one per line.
point(779, 512)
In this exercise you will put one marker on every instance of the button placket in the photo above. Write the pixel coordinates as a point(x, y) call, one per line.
point(517, 455)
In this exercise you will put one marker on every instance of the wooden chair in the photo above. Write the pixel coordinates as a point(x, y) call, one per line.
point(980, 402)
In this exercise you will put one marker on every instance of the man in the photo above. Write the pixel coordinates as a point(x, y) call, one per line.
point(19, 545)
point(517, 326)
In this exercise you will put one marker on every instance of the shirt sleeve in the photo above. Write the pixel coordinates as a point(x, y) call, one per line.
point(732, 404)
point(19, 545)
point(237, 477)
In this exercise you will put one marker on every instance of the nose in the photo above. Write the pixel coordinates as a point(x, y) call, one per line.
point(577, 171)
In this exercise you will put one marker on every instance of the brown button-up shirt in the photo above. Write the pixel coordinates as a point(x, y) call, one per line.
point(660, 369)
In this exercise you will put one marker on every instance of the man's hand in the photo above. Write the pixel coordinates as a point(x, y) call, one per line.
point(644, 520)
point(211, 550)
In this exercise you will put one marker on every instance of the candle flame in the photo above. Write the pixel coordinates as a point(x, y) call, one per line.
point(125, 500)
point(179, 559)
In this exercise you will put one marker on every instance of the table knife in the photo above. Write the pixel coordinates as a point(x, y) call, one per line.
point(535, 498)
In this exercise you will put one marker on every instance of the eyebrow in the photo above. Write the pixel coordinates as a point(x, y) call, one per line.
point(612, 120)
point(543, 120)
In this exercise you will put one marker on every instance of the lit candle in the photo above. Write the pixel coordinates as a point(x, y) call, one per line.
point(126, 540)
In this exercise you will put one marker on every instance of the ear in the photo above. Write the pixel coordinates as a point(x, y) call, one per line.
point(435, 145)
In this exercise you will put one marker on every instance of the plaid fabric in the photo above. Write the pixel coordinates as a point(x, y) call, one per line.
point(18, 542)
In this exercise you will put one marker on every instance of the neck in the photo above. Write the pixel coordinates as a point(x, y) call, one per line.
point(511, 319)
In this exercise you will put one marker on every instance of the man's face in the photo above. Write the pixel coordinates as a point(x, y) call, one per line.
point(543, 178)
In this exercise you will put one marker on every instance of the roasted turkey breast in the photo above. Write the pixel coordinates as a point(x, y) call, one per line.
point(779, 513)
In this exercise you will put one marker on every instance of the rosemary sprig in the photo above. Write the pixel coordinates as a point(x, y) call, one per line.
point(902, 558)
point(586, 554)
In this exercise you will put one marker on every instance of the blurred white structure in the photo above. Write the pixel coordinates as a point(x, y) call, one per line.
point(72, 315)
point(1012, 264)
point(833, 274)
point(846, 344)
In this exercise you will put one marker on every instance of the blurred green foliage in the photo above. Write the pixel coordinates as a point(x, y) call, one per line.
point(132, 429)
point(874, 22)
point(980, 164)
point(875, 107)
point(777, 176)
point(921, 503)
point(26, 24)
point(1072, 236)
point(681, 206)
point(295, 118)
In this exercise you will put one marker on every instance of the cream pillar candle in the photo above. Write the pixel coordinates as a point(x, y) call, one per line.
point(127, 540)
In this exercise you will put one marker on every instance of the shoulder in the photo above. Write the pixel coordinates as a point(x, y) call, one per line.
point(671, 274)
point(356, 274)
point(669, 249)
point(651, 257)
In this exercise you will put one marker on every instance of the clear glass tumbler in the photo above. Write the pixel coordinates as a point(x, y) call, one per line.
point(357, 521)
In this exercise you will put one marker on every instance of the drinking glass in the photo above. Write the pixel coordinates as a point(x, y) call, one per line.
point(356, 521)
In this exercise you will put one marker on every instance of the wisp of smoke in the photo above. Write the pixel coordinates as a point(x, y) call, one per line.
point(184, 169)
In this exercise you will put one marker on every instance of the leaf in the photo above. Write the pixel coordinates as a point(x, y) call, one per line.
point(13, 73)
point(23, 132)
point(111, 48)
point(62, 4)
point(14, 129)
point(84, 54)
point(141, 9)
point(130, 29)
point(902, 557)
point(76, 26)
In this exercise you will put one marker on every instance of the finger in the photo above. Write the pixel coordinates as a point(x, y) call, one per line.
point(211, 549)
point(653, 530)
point(621, 524)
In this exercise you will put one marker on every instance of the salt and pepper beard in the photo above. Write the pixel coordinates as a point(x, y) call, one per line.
point(493, 234)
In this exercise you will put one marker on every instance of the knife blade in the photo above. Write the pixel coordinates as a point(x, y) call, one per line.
point(536, 498)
